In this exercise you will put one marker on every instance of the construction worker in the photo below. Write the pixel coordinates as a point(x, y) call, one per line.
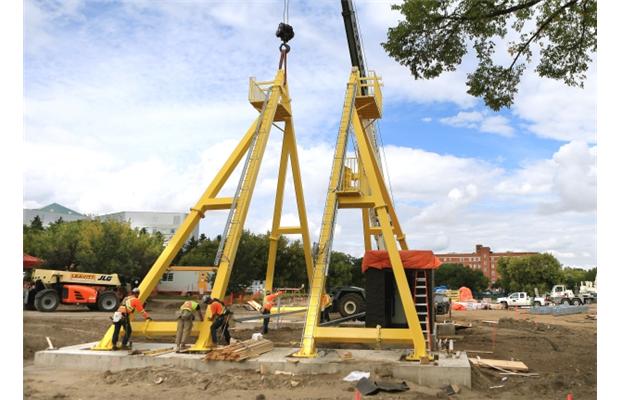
point(326, 303)
point(122, 317)
point(268, 303)
point(220, 316)
point(186, 318)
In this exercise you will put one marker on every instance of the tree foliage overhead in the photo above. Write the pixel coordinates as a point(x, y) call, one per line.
point(456, 275)
point(436, 34)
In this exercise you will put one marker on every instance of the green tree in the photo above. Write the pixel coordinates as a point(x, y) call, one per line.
point(95, 246)
point(590, 275)
point(524, 274)
point(341, 267)
point(456, 275)
point(36, 224)
point(572, 276)
point(435, 35)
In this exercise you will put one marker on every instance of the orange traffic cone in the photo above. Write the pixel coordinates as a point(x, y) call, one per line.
point(358, 395)
point(569, 396)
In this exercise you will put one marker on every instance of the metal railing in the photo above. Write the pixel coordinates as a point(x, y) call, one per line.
point(372, 83)
point(258, 90)
point(351, 177)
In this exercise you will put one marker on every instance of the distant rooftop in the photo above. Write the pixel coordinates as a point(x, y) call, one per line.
point(58, 209)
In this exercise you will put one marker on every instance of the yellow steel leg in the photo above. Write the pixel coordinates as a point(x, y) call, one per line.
point(277, 215)
point(240, 212)
point(366, 225)
point(289, 138)
point(317, 286)
point(189, 224)
point(404, 290)
point(289, 150)
point(380, 220)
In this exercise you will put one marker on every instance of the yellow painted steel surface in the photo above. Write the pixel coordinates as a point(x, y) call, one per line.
point(272, 99)
point(327, 226)
point(361, 185)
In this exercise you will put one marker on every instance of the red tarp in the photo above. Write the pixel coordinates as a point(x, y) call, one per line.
point(412, 259)
point(30, 261)
point(465, 294)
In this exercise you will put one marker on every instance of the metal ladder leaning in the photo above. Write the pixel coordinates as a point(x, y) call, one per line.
point(422, 306)
point(258, 142)
point(328, 223)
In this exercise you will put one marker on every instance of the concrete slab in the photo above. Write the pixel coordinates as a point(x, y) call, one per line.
point(384, 362)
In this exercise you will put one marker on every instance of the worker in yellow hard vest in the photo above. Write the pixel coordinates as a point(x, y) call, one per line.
point(185, 321)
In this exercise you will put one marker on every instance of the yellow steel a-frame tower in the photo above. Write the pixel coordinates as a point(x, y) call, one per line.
point(357, 182)
point(272, 100)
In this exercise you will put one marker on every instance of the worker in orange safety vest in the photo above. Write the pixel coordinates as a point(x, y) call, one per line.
point(186, 318)
point(326, 303)
point(268, 303)
point(220, 315)
point(122, 318)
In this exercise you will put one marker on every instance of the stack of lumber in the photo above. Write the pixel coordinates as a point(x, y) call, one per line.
point(241, 350)
point(502, 365)
point(254, 305)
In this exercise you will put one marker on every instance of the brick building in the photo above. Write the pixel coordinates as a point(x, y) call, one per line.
point(482, 259)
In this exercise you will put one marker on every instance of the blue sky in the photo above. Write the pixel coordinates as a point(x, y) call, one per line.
point(133, 105)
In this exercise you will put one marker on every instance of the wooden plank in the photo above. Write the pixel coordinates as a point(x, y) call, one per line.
point(478, 351)
point(255, 305)
point(503, 364)
point(241, 350)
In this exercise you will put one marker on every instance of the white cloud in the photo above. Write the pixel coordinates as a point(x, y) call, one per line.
point(480, 120)
point(464, 119)
point(421, 175)
point(148, 109)
point(566, 182)
point(555, 111)
point(574, 180)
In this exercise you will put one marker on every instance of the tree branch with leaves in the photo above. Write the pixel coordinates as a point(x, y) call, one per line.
point(436, 35)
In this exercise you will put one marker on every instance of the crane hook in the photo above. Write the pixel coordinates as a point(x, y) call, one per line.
point(285, 33)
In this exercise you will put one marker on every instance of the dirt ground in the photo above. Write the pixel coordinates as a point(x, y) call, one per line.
point(562, 350)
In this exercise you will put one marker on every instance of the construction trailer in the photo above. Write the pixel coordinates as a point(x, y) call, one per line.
point(186, 280)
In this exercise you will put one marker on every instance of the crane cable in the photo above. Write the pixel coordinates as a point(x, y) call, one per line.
point(285, 33)
point(285, 12)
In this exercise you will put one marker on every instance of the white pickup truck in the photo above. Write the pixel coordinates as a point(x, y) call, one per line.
point(521, 299)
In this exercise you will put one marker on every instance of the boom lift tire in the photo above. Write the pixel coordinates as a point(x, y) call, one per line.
point(46, 300)
point(565, 302)
point(576, 302)
point(350, 304)
point(107, 301)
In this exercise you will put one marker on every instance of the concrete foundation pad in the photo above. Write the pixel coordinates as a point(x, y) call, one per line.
point(383, 362)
